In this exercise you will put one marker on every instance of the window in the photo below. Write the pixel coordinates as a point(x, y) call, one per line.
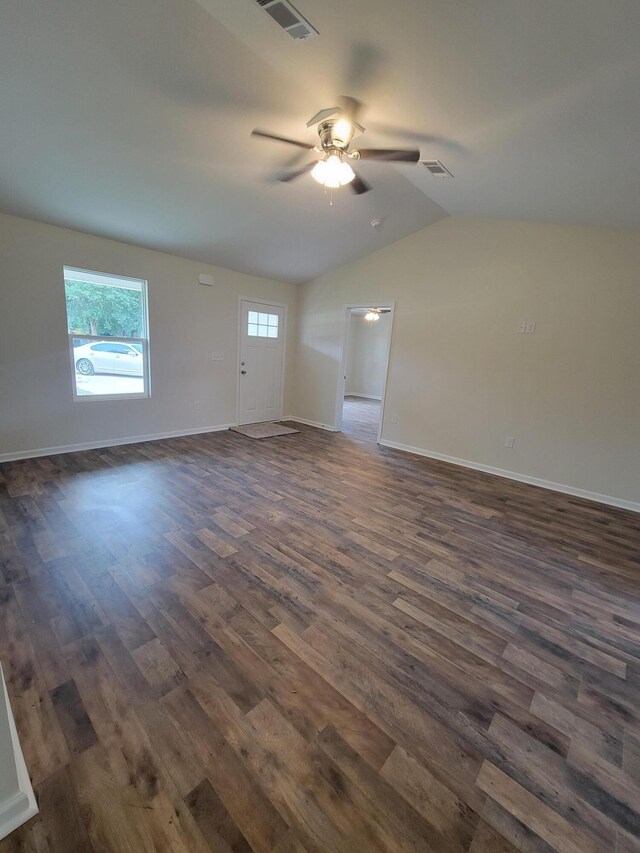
point(261, 325)
point(108, 335)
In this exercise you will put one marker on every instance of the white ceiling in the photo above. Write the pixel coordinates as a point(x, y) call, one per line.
point(131, 119)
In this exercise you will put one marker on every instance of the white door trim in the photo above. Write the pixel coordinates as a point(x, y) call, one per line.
point(344, 349)
point(260, 301)
point(19, 803)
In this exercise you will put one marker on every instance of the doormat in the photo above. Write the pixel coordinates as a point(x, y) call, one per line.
point(263, 430)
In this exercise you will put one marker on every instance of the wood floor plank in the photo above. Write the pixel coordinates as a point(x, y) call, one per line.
point(215, 822)
point(110, 823)
point(455, 821)
point(546, 823)
point(157, 666)
point(248, 804)
point(398, 818)
point(73, 717)
point(62, 819)
point(314, 645)
point(313, 785)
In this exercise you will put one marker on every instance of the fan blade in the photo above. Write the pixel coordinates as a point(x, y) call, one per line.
point(397, 155)
point(285, 177)
point(293, 161)
point(416, 136)
point(289, 165)
point(266, 135)
point(359, 186)
point(320, 116)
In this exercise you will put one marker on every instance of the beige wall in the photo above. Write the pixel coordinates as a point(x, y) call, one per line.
point(462, 378)
point(187, 322)
point(367, 355)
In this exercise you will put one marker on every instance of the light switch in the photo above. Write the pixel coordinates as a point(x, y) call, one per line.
point(530, 327)
point(217, 356)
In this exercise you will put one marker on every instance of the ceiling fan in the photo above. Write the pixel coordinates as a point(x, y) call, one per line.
point(336, 127)
point(373, 314)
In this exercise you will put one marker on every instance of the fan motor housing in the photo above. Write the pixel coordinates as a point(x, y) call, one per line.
point(330, 139)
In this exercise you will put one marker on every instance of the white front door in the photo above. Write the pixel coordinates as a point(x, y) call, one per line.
point(261, 361)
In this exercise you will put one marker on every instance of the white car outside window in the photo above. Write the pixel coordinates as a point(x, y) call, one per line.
point(108, 357)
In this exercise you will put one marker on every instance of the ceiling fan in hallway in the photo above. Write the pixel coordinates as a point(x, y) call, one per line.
point(373, 314)
point(336, 127)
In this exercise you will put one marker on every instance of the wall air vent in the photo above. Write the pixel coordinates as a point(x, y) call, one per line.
point(436, 168)
point(288, 17)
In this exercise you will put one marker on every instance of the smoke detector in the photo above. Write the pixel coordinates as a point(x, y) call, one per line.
point(438, 169)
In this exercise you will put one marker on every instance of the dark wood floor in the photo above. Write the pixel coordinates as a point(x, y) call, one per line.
point(361, 418)
point(311, 644)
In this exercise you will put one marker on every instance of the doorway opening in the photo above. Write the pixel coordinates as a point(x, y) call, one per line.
point(363, 376)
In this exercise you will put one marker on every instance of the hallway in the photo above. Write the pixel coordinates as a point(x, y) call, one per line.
point(361, 418)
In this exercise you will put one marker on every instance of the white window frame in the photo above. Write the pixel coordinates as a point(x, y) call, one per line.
point(98, 398)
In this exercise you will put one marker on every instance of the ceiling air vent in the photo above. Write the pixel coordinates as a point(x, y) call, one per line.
point(436, 168)
point(288, 17)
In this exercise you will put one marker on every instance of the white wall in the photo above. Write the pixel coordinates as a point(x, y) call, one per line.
point(187, 322)
point(462, 378)
point(367, 355)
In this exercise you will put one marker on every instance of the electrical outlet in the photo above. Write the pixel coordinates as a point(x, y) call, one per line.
point(509, 440)
point(394, 419)
point(196, 404)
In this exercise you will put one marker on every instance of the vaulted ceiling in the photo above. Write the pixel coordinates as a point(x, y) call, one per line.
point(131, 119)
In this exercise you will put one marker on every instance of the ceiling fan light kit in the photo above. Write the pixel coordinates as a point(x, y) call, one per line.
point(332, 172)
point(336, 127)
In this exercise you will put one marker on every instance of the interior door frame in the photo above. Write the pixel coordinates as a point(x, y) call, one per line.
point(344, 351)
point(261, 301)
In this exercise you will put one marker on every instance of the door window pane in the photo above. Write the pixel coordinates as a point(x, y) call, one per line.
point(264, 326)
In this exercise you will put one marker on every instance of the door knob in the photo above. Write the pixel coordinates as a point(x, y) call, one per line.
point(243, 372)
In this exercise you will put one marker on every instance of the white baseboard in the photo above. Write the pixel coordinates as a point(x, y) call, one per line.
point(328, 427)
point(521, 478)
point(363, 396)
point(113, 442)
point(20, 804)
